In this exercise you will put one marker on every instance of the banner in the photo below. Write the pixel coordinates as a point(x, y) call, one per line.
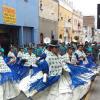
point(9, 15)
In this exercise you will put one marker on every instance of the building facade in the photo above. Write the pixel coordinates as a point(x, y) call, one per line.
point(19, 22)
point(65, 21)
point(77, 25)
point(97, 36)
point(89, 27)
point(48, 13)
point(58, 20)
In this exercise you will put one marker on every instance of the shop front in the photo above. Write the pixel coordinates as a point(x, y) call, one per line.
point(8, 35)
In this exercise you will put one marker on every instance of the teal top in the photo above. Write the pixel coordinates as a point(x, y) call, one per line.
point(89, 49)
point(62, 49)
point(2, 50)
point(39, 51)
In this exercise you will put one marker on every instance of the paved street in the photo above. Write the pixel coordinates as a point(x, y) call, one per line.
point(95, 91)
point(20, 97)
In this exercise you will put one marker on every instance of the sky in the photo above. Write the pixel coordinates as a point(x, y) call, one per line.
point(87, 7)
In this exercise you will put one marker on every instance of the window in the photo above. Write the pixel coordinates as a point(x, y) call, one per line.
point(41, 5)
point(85, 27)
point(69, 20)
point(79, 25)
point(60, 36)
point(67, 31)
point(52, 35)
point(41, 38)
point(61, 18)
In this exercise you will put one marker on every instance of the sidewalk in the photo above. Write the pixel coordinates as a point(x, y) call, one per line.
point(95, 90)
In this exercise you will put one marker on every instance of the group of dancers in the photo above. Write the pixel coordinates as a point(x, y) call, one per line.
point(50, 76)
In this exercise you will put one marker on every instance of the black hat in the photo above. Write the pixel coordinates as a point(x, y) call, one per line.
point(54, 43)
point(30, 48)
point(80, 45)
point(70, 47)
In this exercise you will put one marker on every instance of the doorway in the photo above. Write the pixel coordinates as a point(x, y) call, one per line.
point(8, 36)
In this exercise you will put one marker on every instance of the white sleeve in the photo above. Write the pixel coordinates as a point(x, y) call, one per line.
point(24, 56)
point(13, 57)
point(19, 54)
point(65, 67)
point(64, 58)
point(9, 54)
point(74, 59)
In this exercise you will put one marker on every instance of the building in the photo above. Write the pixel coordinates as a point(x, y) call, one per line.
point(89, 27)
point(78, 25)
point(19, 22)
point(65, 12)
point(58, 20)
point(48, 13)
point(97, 36)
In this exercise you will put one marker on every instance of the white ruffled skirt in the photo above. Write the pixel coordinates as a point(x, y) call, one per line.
point(61, 90)
point(80, 91)
point(8, 91)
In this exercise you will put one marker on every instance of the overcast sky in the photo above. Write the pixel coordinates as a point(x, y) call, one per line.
point(87, 7)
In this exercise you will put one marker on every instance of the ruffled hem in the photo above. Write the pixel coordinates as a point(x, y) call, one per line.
point(9, 76)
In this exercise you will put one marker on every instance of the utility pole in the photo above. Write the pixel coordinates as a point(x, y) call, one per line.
point(98, 16)
point(93, 34)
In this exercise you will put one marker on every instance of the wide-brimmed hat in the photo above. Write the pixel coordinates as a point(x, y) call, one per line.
point(69, 47)
point(80, 45)
point(30, 48)
point(54, 43)
point(47, 40)
point(75, 40)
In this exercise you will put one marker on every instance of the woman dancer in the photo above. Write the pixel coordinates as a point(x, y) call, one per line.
point(8, 80)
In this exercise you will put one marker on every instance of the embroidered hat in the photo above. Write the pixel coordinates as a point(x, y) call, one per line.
point(54, 43)
point(80, 45)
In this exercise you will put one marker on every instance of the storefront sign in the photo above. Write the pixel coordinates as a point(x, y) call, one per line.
point(9, 15)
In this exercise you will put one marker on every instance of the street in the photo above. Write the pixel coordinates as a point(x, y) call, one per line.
point(20, 97)
point(95, 91)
